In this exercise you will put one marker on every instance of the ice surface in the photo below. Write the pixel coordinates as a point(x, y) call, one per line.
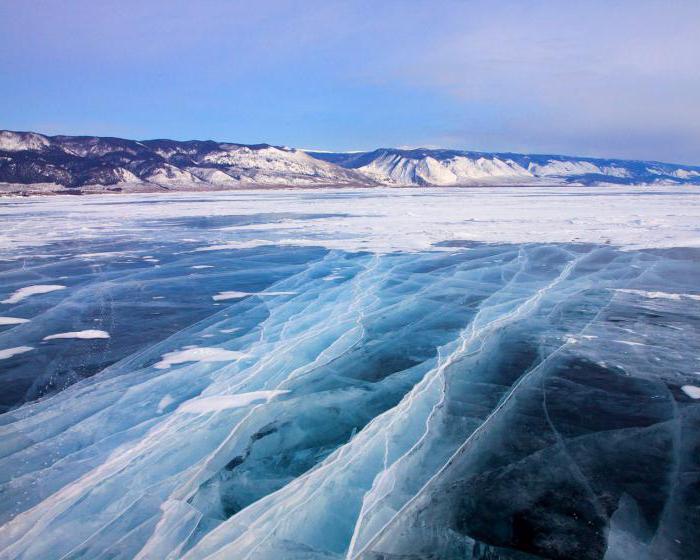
point(405, 391)
point(380, 220)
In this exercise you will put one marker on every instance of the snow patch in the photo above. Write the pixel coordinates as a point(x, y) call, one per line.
point(12, 321)
point(223, 402)
point(692, 391)
point(164, 403)
point(9, 352)
point(659, 295)
point(198, 354)
point(252, 243)
point(18, 141)
point(85, 335)
point(24, 293)
point(221, 296)
point(104, 254)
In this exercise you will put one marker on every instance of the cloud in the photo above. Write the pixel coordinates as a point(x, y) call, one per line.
point(598, 77)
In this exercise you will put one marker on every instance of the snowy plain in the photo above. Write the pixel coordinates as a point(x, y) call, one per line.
point(379, 220)
point(473, 373)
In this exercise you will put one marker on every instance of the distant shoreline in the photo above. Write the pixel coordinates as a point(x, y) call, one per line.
point(20, 190)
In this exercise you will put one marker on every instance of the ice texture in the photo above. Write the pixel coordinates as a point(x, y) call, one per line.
point(472, 400)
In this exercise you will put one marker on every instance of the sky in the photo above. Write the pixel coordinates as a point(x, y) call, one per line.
point(614, 78)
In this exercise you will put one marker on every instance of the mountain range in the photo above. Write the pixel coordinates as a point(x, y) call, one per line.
point(37, 163)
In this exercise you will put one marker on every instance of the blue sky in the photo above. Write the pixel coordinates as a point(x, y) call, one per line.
point(615, 78)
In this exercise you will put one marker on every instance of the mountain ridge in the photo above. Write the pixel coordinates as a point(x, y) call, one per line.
point(34, 162)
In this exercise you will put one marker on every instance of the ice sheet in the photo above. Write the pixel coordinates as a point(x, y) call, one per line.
point(407, 390)
point(382, 220)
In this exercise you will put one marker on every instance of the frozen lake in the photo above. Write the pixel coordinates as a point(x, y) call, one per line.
point(481, 373)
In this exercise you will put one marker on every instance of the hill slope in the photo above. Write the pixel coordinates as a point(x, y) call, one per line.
point(31, 162)
point(75, 162)
point(454, 167)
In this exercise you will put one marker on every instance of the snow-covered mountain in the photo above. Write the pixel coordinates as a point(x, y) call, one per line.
point(114, 164)
point(454, 167)
point(31, 162)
